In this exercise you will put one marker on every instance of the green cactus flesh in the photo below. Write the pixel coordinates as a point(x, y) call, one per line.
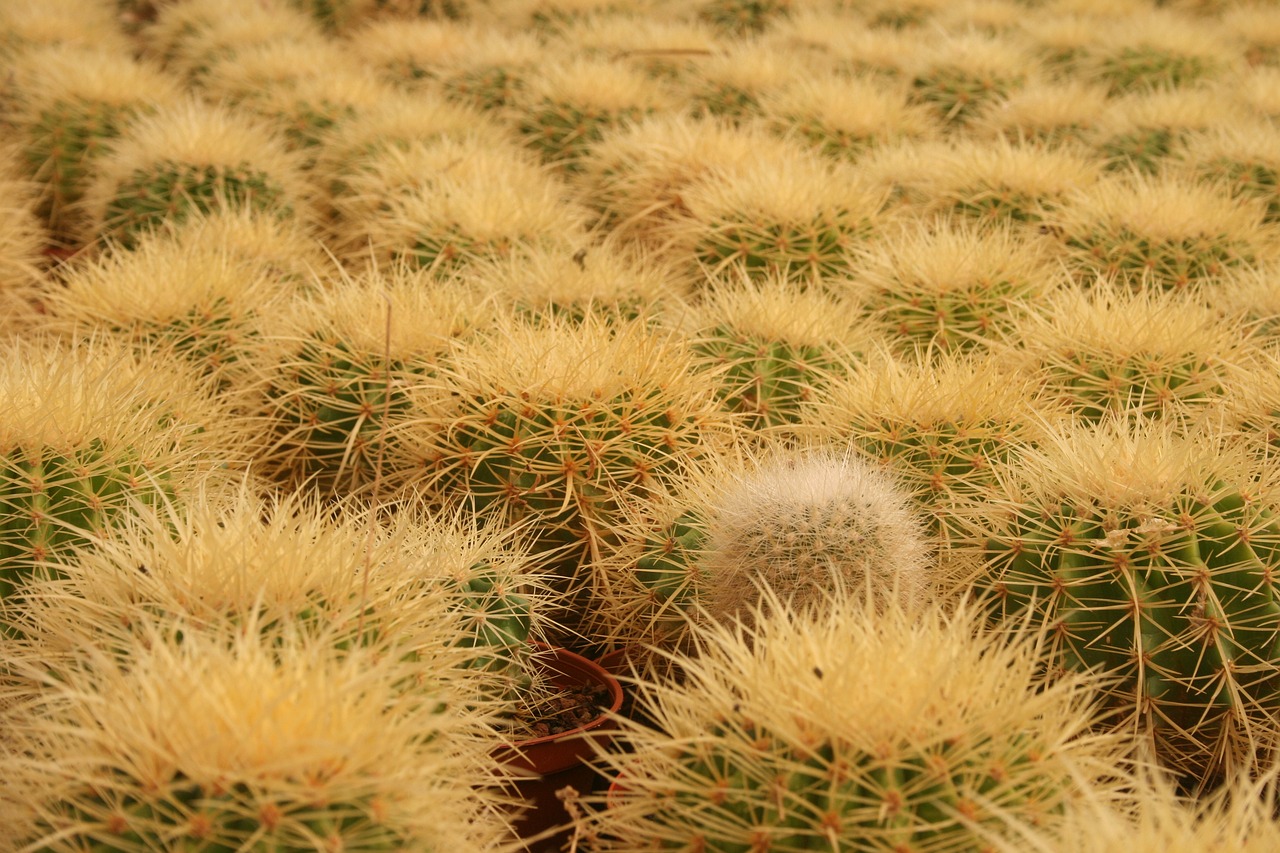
point(61, 146)
point(1248, 179)
point(1137, 385)
point(1147, 67)
point(489, 88)
point(667, 566)
point(1000, 204)
point(957, 95)
point(744, 789)
point(562, 132)
point(117, 816)
point(329, 411)
point(53, 500)
point(1172, 264)
point(742, 17)
point(802, 250)
point(724, 100)
point(767, 381)
point(449, 248)
point(1142, 150)
point(168, 191)
point(960, 319)
point(1176, 607)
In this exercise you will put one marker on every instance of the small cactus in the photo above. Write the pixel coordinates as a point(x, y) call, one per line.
point(1242, 156)
point(961, 74)
point(189, 38)
point(1154, 50)
point(1142, 132)
point(742, 17)
point(1149, 555)
point(849, 730)
point(190, 158)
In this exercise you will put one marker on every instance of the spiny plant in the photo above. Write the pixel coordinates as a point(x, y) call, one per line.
point(1061, 35)
point(71, 103)
point(571, 104)
point(940, 424)
point(550, 18)
point(1249, 295)
point(445, 203)
point(952, 284)
point(1153, 49)
point(410, 54)
point(191, 299)
point(463, 604)
point(89, 429)
point(770, 347)
point(661, 48)
point(216, 743)
point(741, 530)
point(493, 73)
point(1111, 351)
point(959, 74)
point(186, 158)
point(1258, 90)
point(801, 217)
point(22, 240)
point(1052, 113)
point(188, 38)
point(608, 279)
point(1149, 556)
point(255, 69)
point(847, 44)
point(332, 376)
point(637, 176)
point(1258, 28)
point(316, 105)
point(849, 729)
point(1171, 231)
point(843, 116)
point(731, 82)
point(1140, 132)
point(555, 424)
point(742, 17)
point(27, 24)
point(1242, 156)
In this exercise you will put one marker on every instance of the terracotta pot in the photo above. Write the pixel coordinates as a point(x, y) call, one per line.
point(560, 760)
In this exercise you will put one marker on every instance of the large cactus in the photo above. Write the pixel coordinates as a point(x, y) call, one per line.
point(1150, 558)
point(849, 730)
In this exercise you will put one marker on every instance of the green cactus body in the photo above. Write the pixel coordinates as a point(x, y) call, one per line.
point(449, 249)
point(1174, 263)
point(1096, 385)
point(1248, 179)
point(958, 94)
point(170, 191)
point(742, 17)
point(1172, 602)
point(62, 145)
point(562, 132)
point(328, 411)
point(490, 87)
point(1140, 67)
point(765, 381)
point(1143, 149)
point(54, 500)
point(813, 249)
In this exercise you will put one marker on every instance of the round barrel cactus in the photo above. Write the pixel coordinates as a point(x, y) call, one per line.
point(849, 730)
point(1149, 557)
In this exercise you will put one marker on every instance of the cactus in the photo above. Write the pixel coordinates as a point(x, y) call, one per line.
point(316, 106)
point(572, 104)
point(952, 285)
point(959, 76)
point(445, 203)
point(216, 744)
point(411, 53)
point(1259, 29)
point(731, 83)
point(189, 38)
point(1244, 157)
point(742, 17)
point(1140, 132)
point(22, 239)
point(1149, 555)
point(609, 280)
point(27, 24)
point(333, 378)
point(1154, 50)
point(89, 430)
point(801, 217)
point(192, 157)
point(637, 176)
point(71, 104)
point(665, 50)
point(1170, 231)
point(1054, 114)
point(1002, 181)
point(464, 605)
point(555, 424)
point(843, 116)
point(770, 347)
point(939, 425)
point(849, 730)
point(1111, 352)
point(207, 321)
